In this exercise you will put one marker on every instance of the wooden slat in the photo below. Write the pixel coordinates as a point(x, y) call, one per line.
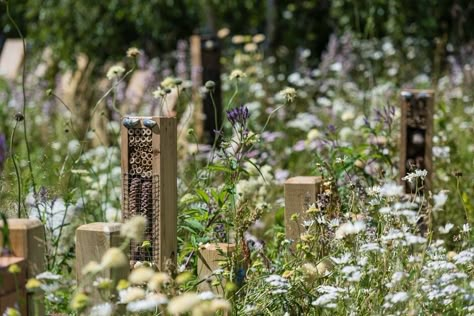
point(8, 281)
point(300, 193)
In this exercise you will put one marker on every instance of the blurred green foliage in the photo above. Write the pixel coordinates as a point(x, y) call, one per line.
point(106, 29)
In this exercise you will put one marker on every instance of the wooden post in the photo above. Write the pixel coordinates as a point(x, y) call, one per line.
point(205, 56)
point(300, 193)
point(11, 58)
point(92, 241)
point(149, 187)
point(12, 287)
point(416, 135)
point(28, 241)
point(210, 258)
point(196, 78)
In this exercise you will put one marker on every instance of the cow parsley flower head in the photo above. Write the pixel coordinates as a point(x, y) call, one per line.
point(349, 228)
point(414, 175)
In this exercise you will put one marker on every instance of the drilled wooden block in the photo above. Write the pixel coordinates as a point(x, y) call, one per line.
point(416, 136)
point(149, 174)
point(300, 193)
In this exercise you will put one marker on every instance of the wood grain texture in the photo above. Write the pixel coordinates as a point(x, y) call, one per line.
point(92, 241)
point(11, 58)
point(300, 193)
point(28, 241)
point(8, 281)
point(412, 153)
point(210, 258)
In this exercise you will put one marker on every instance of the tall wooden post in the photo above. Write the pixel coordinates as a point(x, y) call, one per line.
point(300, 193)
point(205, 59)
point(11, 58)
point(416, 135)
point(149, 185)
point(28, 241)
point(92, 241)
point(210, 258)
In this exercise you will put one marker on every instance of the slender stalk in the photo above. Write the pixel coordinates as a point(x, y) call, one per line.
point(23, 83)
point(17, 172)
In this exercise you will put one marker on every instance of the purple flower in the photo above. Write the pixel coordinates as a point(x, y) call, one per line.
point(238, 115)
point(3, 150)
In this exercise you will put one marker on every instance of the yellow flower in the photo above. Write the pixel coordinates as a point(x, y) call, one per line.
point(11, 312)
point(114, 258)
point(223, 32)
point(168, 82)
point(131, 294)
point(183, 303)
point(14, 269)
point(133, 52)
point(157, 280)
point(250, 47)
point(122, 285)
point(312, 209)
point(103, 283)
point(92, 267)
point(183, 277)
point(237, 74)
point(115, 72)
point(258, 38)
point(141, 275)
point(288, 93)
point(134, 228)
point(32, 284)
point(80, 301)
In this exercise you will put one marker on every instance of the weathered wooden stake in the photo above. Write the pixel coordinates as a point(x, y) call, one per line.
point(149, 185)
point(92, 241)
point(300, 193)
point(416, 135)
point(28, 241)
point(210, 258)
point(12, 287)
point(205, 60)
point(11, 58)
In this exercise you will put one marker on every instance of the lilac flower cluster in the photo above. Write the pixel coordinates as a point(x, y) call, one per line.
point(238, 115)
point(3, 150)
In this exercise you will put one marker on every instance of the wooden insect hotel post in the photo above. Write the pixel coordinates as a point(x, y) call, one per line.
point(149, 189)
point(416, 135)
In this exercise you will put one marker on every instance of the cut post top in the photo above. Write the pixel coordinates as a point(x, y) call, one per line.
point(304, 180)
point(101, 227)
point(22, 223)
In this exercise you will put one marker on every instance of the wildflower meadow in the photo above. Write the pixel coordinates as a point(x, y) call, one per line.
point(249, 158)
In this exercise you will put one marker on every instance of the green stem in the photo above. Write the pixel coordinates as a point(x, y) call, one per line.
point(17, 172)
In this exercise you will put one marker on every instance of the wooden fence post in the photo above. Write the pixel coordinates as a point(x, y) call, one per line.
point(92, 241)
point(12, 287)
point(149, 185)
point(210, 257)
point(205, 61)
point(28, 241)
point(416, 135)
point(300, 193)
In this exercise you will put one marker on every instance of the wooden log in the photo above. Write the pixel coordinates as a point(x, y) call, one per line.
point(92, 241)
point(416, 136)
point(11, 58)
point(28, 241)
point(210, 259)
point(149, 185)
point(300, 193)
